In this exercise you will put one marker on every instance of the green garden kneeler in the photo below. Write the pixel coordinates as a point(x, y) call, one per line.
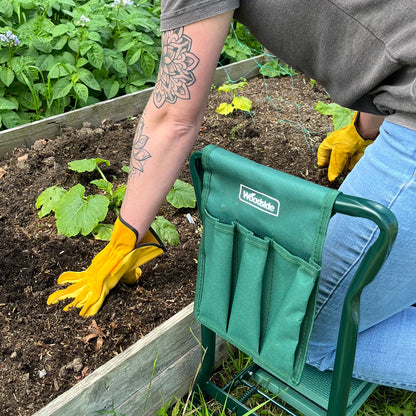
point(258, 272)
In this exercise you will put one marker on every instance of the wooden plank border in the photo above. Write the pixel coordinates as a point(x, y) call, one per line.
point(144, 377)
point(117, 109)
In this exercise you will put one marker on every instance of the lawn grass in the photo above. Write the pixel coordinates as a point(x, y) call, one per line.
point(384, 401)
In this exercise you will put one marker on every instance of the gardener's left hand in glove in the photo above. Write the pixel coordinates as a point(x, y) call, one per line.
point(342, 149)
point(118, 261)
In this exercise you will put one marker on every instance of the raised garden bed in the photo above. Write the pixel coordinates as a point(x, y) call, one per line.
point(56, 357)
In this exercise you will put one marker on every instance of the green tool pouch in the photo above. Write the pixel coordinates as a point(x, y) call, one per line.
point(260, 257)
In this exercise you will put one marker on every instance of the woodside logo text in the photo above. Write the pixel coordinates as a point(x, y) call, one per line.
point(259, 200)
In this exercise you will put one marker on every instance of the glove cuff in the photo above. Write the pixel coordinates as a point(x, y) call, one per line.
point(129, 227)
point(357, 117)
point(145, 240)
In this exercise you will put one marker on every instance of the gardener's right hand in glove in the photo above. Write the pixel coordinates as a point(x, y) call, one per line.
point(119, 260)
point(342, 149)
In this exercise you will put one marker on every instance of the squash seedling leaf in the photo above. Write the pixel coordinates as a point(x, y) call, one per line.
point(166, 231)
point(49, 199)
point(76, 214)
point(242, 103)
point(341, 116)
point(103, 232)
point(86, 165)
point(182, 195)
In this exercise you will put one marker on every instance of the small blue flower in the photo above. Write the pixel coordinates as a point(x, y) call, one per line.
point(10, 38)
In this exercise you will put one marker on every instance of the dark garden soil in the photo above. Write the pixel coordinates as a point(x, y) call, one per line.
point(44, 351)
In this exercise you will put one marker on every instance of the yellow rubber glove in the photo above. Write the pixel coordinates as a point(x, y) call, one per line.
point(119, 260)
point(342, 149)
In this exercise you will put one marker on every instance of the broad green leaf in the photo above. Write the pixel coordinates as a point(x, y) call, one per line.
point(59, 30)
point(96, 56)
point(68, 61)
point(148, 64)
point(42, 44)
point(143, 38)
point(166, 231)
point(57, 71)
point(118, 195)
point(111, 88)
point(120, 66)
point(45, 62)
point(274, 69)
point(88, 79)
point(137, 79)
point(11, 119)
point(76, 214)
point(103, 232)
point(225, 108)
point(95, 36)
point(82, 91)
point(242, 103)
point(182, 195)
point(85, 46)
point(61, 88)
point(103, 185)
point(86, 165)
point(81, 62)
point(7, 104)
point(59, 43)
point(133, 55)
point(124, 44)
point(232, 87)
point(341, 116)
point(6, 76)
point(7, 8)
point(26, 101)
point(4, 55)
point(74, 44)
point(49, 199)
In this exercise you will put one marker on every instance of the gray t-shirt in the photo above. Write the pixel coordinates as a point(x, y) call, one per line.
point(362, 51)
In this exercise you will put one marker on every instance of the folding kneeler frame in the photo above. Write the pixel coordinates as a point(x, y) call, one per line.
point(258, 272)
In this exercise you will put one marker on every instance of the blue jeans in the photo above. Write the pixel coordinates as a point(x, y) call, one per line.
point(386, 346)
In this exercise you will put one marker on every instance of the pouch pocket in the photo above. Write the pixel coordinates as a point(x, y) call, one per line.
point(256, 295)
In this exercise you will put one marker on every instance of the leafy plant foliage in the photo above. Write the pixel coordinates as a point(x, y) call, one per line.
point(238, 103)
point(341, 116)
point(58, 55)
point(77, 213)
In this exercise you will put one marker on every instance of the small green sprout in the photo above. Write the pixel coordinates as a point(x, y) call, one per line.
point(238, 103)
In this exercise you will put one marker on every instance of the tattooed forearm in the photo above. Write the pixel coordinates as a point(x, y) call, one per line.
point(176, 68)
point(139, 154)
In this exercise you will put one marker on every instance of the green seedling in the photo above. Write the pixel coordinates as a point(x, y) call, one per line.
point(273, 69)
point(341, 116)
point(238, 102)
point(182, 195)
point(77, 213)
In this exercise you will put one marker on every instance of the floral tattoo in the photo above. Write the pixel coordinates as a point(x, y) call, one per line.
point(139, 154)
point(176, 69)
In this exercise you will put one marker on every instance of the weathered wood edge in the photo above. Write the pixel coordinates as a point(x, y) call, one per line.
point(117, 109)
point(158, 367)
